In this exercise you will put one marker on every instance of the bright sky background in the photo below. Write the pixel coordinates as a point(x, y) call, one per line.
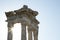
point(49, 16)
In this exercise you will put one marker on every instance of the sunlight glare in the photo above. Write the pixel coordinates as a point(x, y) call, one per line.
point(17, 31)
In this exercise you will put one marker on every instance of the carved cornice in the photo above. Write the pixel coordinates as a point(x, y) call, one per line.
point(23, 11)
point(9, 14)
point(27, 10)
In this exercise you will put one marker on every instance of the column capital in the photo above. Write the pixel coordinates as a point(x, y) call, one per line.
point(10, 24)
point(23, 31)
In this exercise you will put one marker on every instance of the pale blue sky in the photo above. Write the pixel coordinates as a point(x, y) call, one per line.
point(49, 16)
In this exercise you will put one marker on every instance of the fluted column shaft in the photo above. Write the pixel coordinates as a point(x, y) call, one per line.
point(23, 32)
point(29, 33)
point(10, 25)
point(35, 33)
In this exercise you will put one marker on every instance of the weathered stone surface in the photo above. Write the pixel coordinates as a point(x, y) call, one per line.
point(10, 34)
point(23, 32)
point(25, 16)
point(29, 35)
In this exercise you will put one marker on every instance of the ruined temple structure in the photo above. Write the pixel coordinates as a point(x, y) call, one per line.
point(27, 18)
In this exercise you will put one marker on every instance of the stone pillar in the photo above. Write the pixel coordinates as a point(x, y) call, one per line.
point(10, 25)
point(35, 33)
point(29, 34)
point(23, 31)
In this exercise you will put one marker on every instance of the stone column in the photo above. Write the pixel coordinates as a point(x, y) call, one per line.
point(23, 31)
point(29, 33)
point(35, 33)
point(10, 25)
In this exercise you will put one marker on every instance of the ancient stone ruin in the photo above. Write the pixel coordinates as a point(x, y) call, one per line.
point(25, 16)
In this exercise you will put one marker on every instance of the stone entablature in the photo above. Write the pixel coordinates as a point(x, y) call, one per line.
point(25, 16)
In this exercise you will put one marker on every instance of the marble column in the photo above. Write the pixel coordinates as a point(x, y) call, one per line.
point(10, 25)
point(35, 33)
point(29, 34)
point(23, 31)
